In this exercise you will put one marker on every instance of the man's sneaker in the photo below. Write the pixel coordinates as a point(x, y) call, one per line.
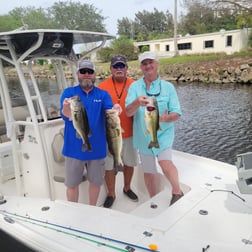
point(109, 202)
point(131, 194)
point(176, 197)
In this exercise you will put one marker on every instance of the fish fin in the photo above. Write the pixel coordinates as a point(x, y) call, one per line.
point(84, 147)
point(89, 133)
point(89, 147)
point(78, 135)
point(153, 144)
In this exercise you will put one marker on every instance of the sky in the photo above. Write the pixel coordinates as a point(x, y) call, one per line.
point(112, 10)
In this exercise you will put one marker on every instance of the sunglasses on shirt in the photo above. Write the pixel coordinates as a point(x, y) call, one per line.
point(119, 65)
point(86, 70)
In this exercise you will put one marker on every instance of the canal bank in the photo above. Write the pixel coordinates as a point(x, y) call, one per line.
point(220, 71)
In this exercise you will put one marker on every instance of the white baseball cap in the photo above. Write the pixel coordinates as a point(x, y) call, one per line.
point(147, 55)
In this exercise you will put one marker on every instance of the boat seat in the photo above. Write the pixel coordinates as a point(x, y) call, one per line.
point(57, 145)
point(4, 138)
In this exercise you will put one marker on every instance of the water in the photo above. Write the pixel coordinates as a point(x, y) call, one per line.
point(216, 120)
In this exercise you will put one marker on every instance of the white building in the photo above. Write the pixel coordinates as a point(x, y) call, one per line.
point(216, 42)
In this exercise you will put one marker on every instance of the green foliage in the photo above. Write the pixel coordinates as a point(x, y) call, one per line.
point(77, 16)
point(8, 23)
point(244, 20)
point(105, 54)
point(146, 25)
point(62, 15)
point(144, 48)
point(250, 40)
point(123, 46)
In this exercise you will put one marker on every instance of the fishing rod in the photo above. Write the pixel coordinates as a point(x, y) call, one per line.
point(66, 233)
point(46, 224)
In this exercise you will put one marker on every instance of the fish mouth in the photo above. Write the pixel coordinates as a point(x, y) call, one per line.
point(150, 108)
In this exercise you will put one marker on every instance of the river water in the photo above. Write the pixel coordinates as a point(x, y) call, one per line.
point(215, 122)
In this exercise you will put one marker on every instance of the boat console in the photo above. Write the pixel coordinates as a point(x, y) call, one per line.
point(244, 167)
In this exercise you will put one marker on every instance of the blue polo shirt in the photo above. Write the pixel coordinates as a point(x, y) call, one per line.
point(167, 98)
point(95, 102)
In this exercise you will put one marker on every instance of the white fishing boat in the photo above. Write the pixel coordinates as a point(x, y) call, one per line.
point(214, 215)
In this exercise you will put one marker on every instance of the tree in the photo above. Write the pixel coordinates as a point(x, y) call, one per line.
point(242, 5)
point(203, 17)
point(242, 8)
point(125, 27)
point(147, 25)
point(122, 45)
point(105, 54)
point(62, 15)
point(26, 16)
point(198, 18)
point(77, 16)
point(8, 23)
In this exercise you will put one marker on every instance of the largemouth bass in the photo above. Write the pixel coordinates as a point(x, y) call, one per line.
point(80, 122)
point(151, 118)
point(114, 138)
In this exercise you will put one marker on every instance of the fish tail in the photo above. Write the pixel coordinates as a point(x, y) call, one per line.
point(118, 166)
point(154, 144)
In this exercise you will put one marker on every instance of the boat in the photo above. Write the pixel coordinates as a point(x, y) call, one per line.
point(214, 215)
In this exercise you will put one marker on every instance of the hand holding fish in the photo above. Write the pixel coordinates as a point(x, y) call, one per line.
point(143, 100)
point(133, 107)
point(66, 110)
point(118, 108)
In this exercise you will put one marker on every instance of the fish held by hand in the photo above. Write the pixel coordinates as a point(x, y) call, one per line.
point(114, 138)
point(80, 122)
point(151, 117)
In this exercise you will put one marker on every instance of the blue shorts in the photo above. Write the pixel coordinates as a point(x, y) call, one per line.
point(75, 170)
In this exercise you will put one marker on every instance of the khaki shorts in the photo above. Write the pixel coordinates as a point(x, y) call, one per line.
point(149, 163)
point(75, 169)
point(129, 155)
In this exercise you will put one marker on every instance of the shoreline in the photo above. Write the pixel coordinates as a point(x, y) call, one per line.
point(221, 71)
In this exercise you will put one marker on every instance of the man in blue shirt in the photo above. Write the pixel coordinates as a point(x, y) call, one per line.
point(96, 102)
point(169, 111)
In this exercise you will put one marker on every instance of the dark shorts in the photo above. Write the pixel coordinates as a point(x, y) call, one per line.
point(75, 169)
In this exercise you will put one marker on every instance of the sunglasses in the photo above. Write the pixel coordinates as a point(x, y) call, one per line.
point(119, 65)
point(86, 70)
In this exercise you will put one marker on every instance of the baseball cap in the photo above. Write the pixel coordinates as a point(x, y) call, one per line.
point(85, 64)
point(118, 59)
point(147, 55)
